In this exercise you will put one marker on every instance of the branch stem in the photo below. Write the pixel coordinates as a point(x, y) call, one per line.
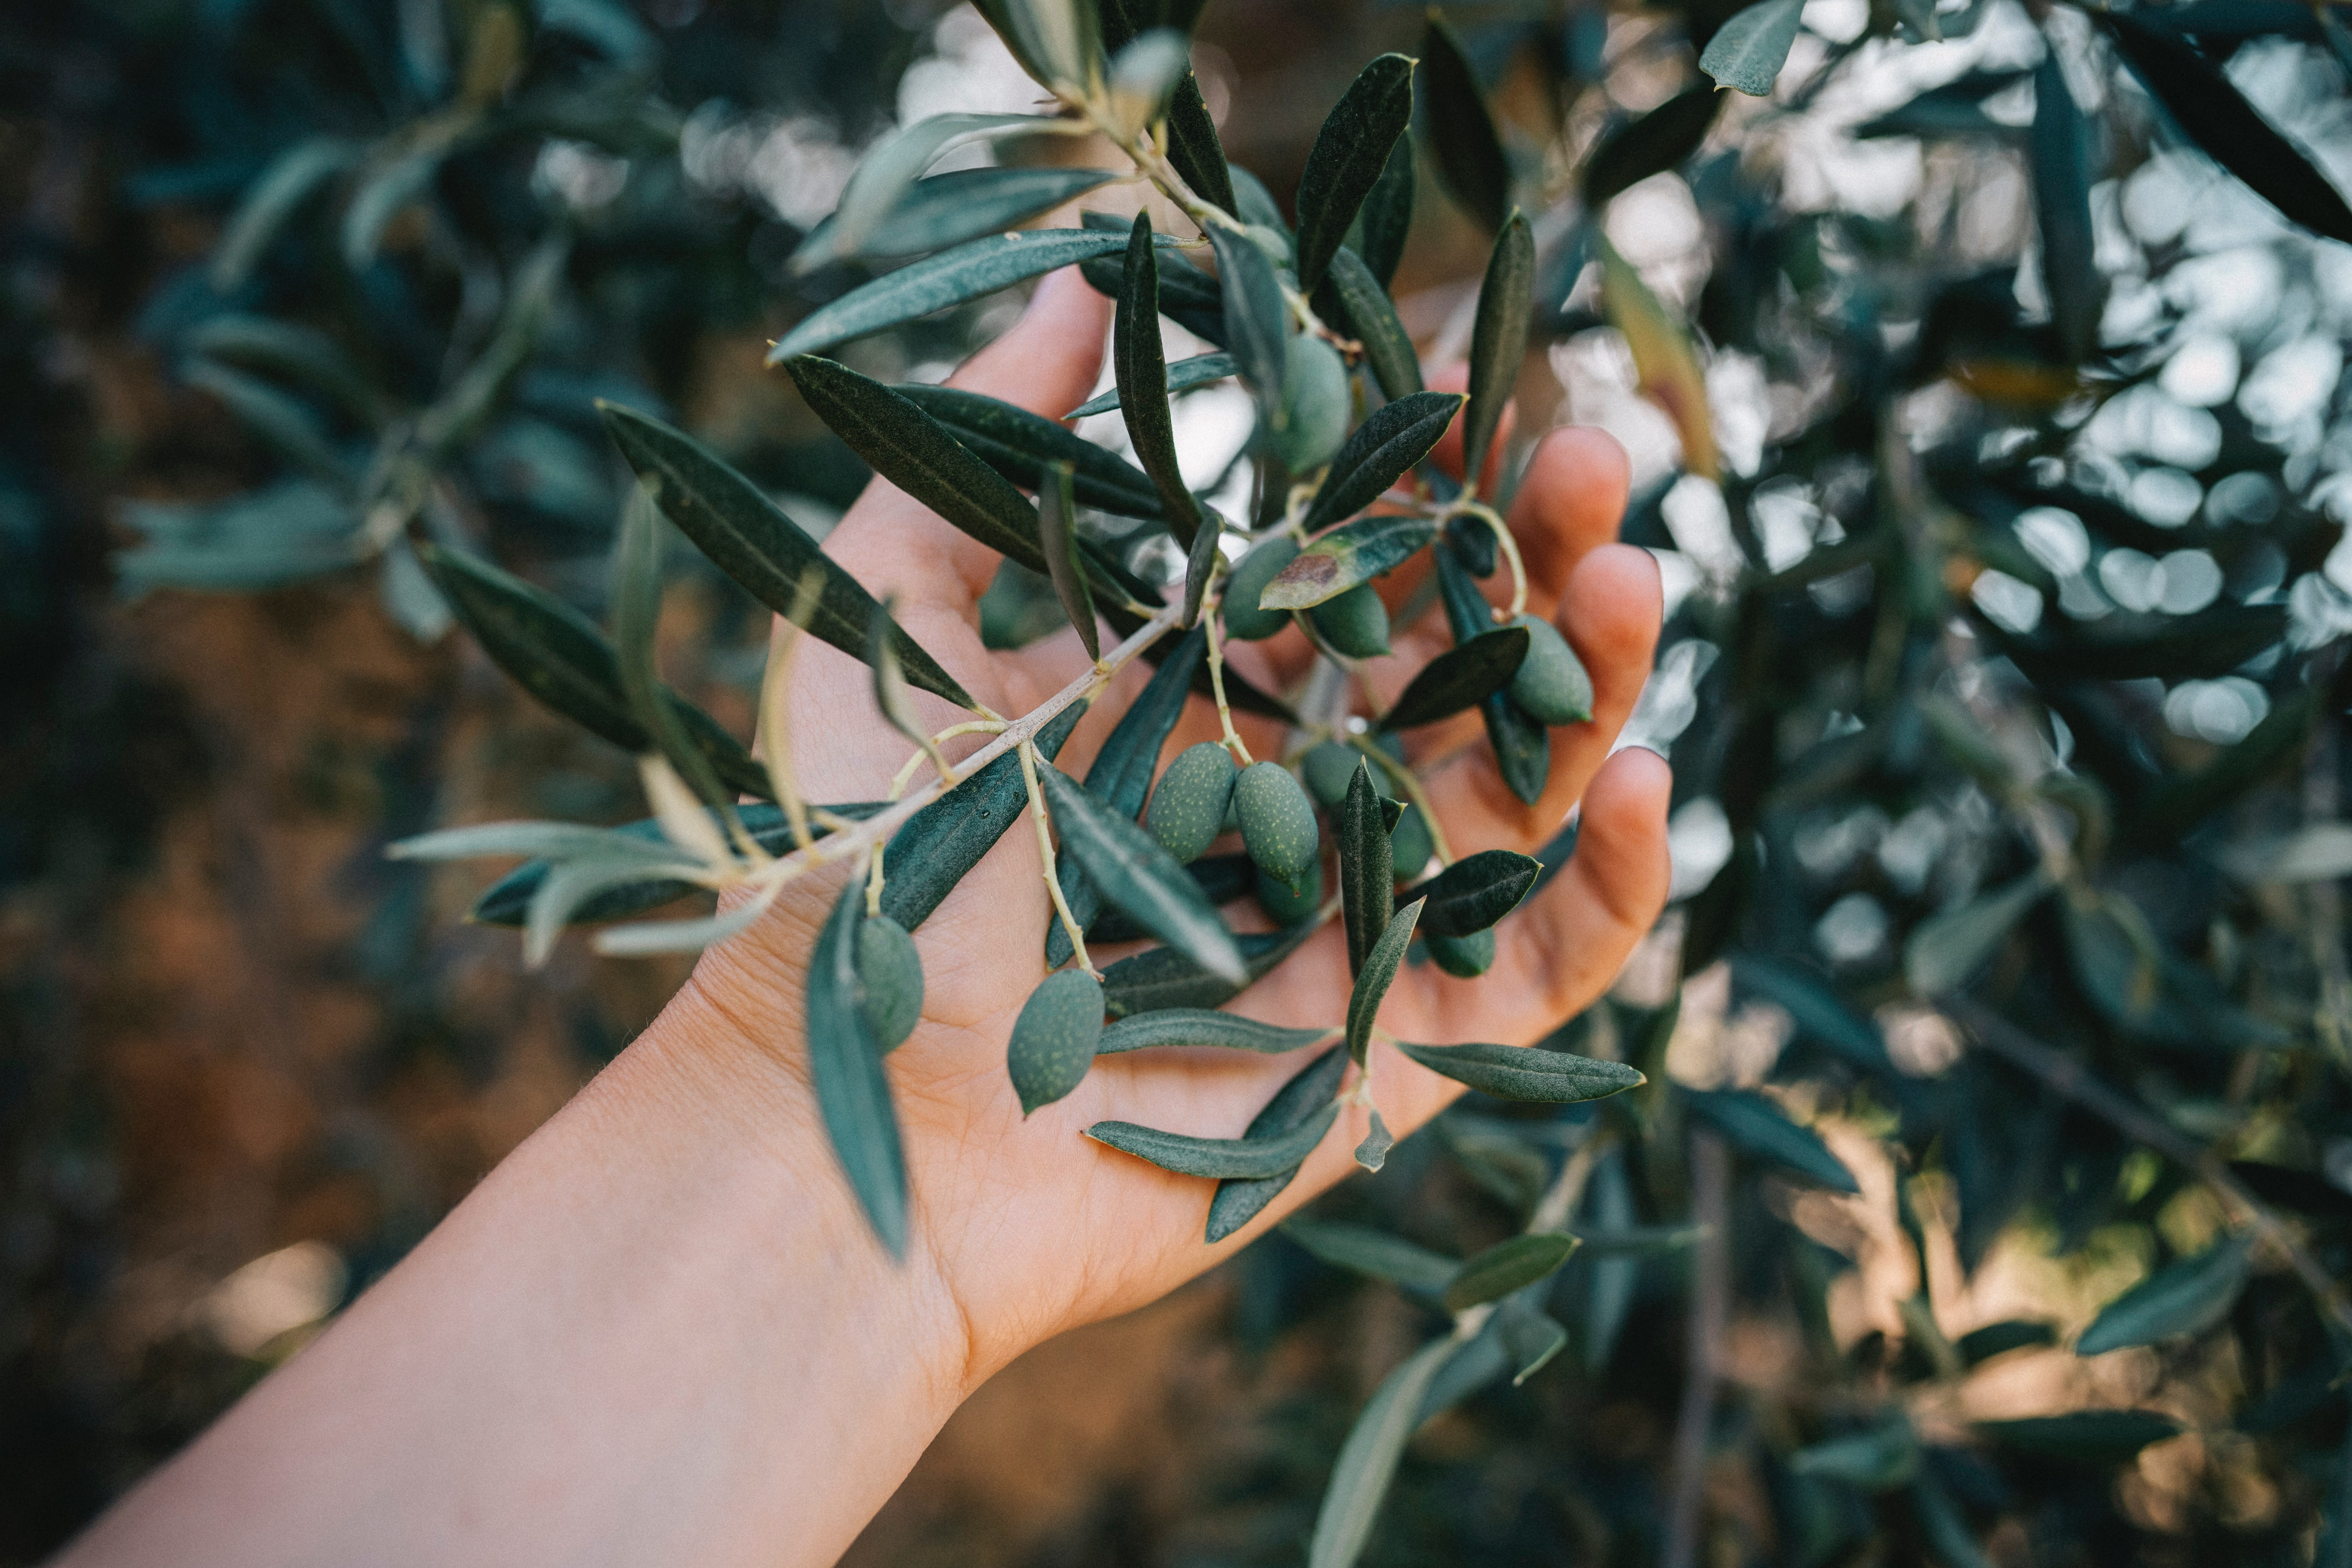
point(1028, 754)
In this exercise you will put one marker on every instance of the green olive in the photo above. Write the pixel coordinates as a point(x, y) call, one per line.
point(1410, 846)
point(890, 973)
point(1313, 418)
point(1243, 620)
point(1328, 766)
point(1277, 822)
point(1188, 805)
point(1054, 1039)
point(1287, 906)
point(1356, 623)
point(1551, 685)
point(1464, 956)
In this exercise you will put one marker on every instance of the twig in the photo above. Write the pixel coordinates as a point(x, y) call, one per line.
point(1028, 755)
point(2076, 1082)
point(1233, 741)
point(1710, 1293)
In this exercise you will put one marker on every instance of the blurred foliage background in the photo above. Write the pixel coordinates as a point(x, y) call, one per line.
point(1986, 430)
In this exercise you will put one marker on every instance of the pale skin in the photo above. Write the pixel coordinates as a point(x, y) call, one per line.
point(659, 1331)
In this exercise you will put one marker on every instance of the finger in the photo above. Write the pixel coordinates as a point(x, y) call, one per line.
point(1610, 616)
point(1570, 503)
point(1047, 363)
point(1448, 453)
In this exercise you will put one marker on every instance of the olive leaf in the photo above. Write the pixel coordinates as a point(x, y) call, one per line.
point(1649, 144)
point(285, 423)
point(1057, 535)
point(1143, 75)
point(886, 172)
point(1531, 1338)
point(1816, 1010)
point(1475, 893)
point(1368, 1459)
point(1946, 949)
point(2186, 1297)
point(1349, 153)
point(1522, 747)
point(1372, 982)
point(1240, 1200)
point(1747, 51)
point(1760, 1127)
point(1134, 873)
point(1163, 977)
point(1499, 339)
point(1377, 454)
point(1462, 676)
point(280, 190)
point(1254, 1157)
point(1183, 376)
point(1386, 220)
point(890, 683)
point(1188, 296)
point(1506, 1266)
point(1641, 1240)
point(1060, 42)
point(559, 655)
point(1527, 1072)
point(2083, 1436)
point(913, 451)
point(1982, 1344)
point(1461, 131)
point(1665, 364)
point(950, 277)
point(1373, 1253)
point(1373, 1152)
point(1357, 304)
point(2060, 163)
point(1191, 135)
point(1202, 1026)
point(853, 1096)
point(1022, 447)
point(1201, 565)
point(636, 598)
point(297, 353)
point(945, 210)
point(2216, 116)
point(757, 544)
point(941, 844)
point(1256, 320)
point(1141, 370)
point(1367, 875)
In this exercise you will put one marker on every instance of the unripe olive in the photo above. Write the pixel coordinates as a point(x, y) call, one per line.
point(1328, 766)
point(1465, 956)
point(890, 973)
point(1277, 820)
point(1410, 846)
point(1188, 805)
point(1356, 623)
point(1287, 906)
point(1243, 620)
point(1551, 685)
point(1313, 417)
point(1054, 1039)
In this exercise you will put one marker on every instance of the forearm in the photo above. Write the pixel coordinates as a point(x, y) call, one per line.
point(658, 1332)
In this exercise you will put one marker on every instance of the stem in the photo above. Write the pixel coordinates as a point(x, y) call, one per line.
point(1232, 741)
point(2134, 1121)
point(1407, 781)
point(1710, 1291)
point(930, 751)
point(1028, 754)
point(1510, 549)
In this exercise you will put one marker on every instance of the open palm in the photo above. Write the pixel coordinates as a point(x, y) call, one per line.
point(1025, 1227)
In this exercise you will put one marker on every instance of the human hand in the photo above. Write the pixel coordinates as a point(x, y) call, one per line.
point(1023, 1228)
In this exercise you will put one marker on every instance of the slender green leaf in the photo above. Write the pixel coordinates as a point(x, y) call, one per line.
point(1163, 977)
point(1499, 339)
point(1522, 746)
point(1531, 1338)
point(1373, 1253)
point(1649, 144)
point(950, 209)
point(887, 174)
point(573, 885)
point(1057, 534)
point(912, 450)
point(1999, 1339)
point(1201, 565)
point(1387, 219)
point(1461, 131)
point(1240, 1200)
point(1641, 1240)
point(941, 844)
point(1367, 871)
point(951, 278)
point(285, 423)
point(388, 185)
point(1526, 1073)
point(1183, 376)
point(2083, 1436)
point(1022, 446)
point(1747, 51)
point(1460, 677)
point(1203, 1026)
point(2215, 115)
point(2188, 1297)
point(1354, 301)
point(1475, 893)
point(1144, 78)
point(559, 655)
point(1368, 1459)
point(1877, 1459)
point(1188, 296)
point(636, 596)
point(753, 540)
point(2061, 164)
point(1134, 873)
point(1946, 949)
point(853, 1096)
point(889, 682)
point(1348, 556)
point(1256, 319)
point(1506, 1267)
point(272, 198)
point(1760, 1127)
point(1258, 1157)
point(1194, 149)
point(1141, 370)
point(1349, 153)
point(1378, 453)
point(1372, 982)
point(1818, 1012)
point(561, 840)
point(300, 353)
